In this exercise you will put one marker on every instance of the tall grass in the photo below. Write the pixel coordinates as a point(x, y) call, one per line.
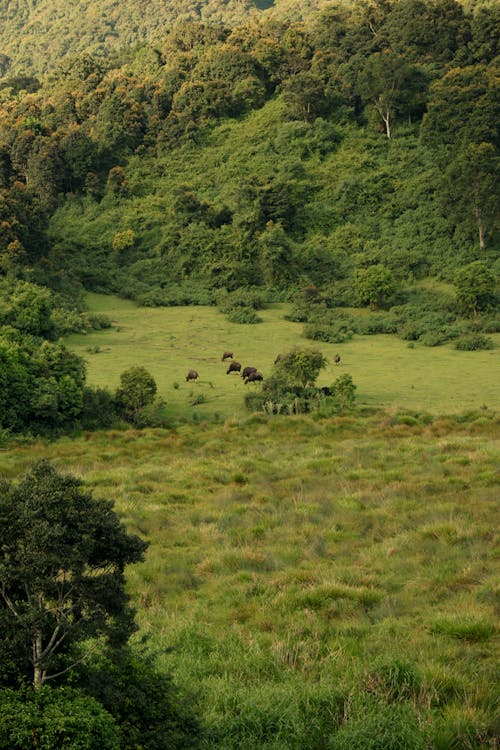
point(302, 572)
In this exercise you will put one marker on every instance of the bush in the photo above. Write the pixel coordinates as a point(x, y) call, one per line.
point(474, 343)
point(244, 315)
point(54, 718)
point(335, 332)
point(99, 409)
point(251, 298)
point(370, 325)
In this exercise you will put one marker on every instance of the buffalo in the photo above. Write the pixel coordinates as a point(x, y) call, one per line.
point(253, 377)
point(247, 370)
point(326, 391)
point(336, 359)
point(233, 367)
point(227, 355)
point(192, 375)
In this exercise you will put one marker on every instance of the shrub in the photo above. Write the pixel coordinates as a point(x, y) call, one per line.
point(99, 409)
point(244, 315)
point(344, 392)
point(370, 325)
point(474, 343)
point(252, 298)
point(50, 718)
point(334, 333)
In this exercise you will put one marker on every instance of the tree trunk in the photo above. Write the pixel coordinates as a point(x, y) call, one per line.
point(37, 669)
point(387, 122)
point(479, 219)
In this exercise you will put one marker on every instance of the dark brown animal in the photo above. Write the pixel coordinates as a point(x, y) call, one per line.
point(233, 367)
point(227, 355)
point(336, 359)
point(326, 391)
point(254, 377)
point(247, 370)
point(192, 375)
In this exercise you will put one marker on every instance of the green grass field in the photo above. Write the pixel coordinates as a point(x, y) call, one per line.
point(300, 570)
point(170, 341)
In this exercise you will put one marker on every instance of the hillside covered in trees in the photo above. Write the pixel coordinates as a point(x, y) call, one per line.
point(350, 159)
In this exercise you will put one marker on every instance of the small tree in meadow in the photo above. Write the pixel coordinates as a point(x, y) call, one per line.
point(137, 390)
point(300, 366)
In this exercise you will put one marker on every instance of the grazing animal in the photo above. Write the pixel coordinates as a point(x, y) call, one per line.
point(278, 359)
point(247, 370)
point(227, 355)
point(254, 377)
point(326, 391)
point(233, 367)
point(192, 375)
point(336, 359)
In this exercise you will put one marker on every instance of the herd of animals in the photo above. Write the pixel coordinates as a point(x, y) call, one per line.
point(249, 374)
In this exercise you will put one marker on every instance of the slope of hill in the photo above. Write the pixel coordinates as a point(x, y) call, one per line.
point(35, 34)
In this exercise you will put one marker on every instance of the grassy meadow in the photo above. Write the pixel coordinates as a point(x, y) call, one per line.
point(306, 578)
point(170, 341)
point(303, 574)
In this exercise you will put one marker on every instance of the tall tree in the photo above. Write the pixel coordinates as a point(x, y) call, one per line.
point(62, 560)
point(392, 86)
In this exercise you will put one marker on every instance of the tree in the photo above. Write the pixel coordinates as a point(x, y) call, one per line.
point(375, 285)
point(392, 86)
point(475, 287)
point(300, 366)
point(470, 189)
point(137, 390)
point(62, 558)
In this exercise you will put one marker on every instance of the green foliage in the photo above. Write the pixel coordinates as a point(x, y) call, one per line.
point(148, 708)
point(375, 286)
point(137, 390)
point(243, 315)
point(299, 366)
point(475, 287)
point(98, 409)
point(41, 383)
point(343, 392)
point(50, 718)
point(333, 331)
point(474, 343)
point(61, 572)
